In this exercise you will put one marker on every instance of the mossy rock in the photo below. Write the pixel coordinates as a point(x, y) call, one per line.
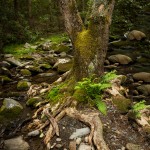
point(122, 103)
point(5, 79)
point(53, 46)
point(23, 85)
point(45, 66)
point(25, 72)
point(79, 95)
point(10, 108)
point(34, 69)
point(61, 48)
point(33, 101)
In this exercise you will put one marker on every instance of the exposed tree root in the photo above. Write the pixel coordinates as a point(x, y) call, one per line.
point(92, 119)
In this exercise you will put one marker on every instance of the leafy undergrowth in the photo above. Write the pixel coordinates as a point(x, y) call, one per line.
point(19, 49)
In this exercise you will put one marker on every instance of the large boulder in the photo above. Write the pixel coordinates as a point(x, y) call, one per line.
point(143, 76)
point(135, 35)
point(10, 108)
point(16, 143)
point(119, 58)
point(145, 89)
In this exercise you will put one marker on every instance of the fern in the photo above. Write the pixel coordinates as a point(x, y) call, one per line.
point(94, 88)
point(137, 107)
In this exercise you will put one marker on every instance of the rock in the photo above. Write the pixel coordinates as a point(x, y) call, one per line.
point(23, 85)
point(45, 66)
point(34, 133)
point(131, 146)
point(122, 103)
point(27, 45)
point(14, 62)
point(33, 101)
point(72, 145)
point(63, 65)
point(10, 108)
point(58, 145)
point(34, 69)
point(144, 89)
point(25, 72)
point(144, 76)
point(80, 132)
point(84, 146)
point(122, 78)
point(63, 54)
point(58, 139)
point(135, 35)
point(5, 79)
point(16, 144)
point(119, 58)
point(6, 72)
point(78, 141)
point(8, 55)
point(61, 48)
point(5, 64)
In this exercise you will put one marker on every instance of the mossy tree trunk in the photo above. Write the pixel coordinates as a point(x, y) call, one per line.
point(91, 43)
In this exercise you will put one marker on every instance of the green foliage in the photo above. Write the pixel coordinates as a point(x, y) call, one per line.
point(137, 107)
point(17, 50)
point(54, 94)
point(94, 88)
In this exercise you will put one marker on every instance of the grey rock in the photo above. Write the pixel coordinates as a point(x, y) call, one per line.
point(16, 144)
point(8, 55)
point(27, 45)
point(80, 132)
point(14, 62)
point(5, 64)
point(34, 133)
point(10, 108)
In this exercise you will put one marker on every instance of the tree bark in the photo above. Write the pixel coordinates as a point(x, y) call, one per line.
point(90, 45)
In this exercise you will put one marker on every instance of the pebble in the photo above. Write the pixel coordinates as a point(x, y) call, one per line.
point(58, 139)
point(78, 141)
point(86, 139)
point(34, 133)
point(59, 145)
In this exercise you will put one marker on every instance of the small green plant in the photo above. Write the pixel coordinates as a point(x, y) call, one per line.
point(137, 107)
point(53, 94)
point(94, 88)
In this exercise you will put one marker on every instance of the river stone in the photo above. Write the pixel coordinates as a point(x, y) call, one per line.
point(16, 144)
point(119, 58)
point(131, 146)
point(14, 62)
point(135, 35)
point(5, 79)
point(33, 101)
point(5, 64)
point(84, 146)
point(25, 72)
point(144, 76)
point(10, 108)
point(6, 72)
point(63, 65)
point(62, 48)
point(27, 45)
point(34, 69)
point(122, 103)
point(23, 85)
point(145, 89)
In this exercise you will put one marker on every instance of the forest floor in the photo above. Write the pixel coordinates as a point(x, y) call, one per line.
point(120, 132)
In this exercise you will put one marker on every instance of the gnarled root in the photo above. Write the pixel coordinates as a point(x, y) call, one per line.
point(92, 119)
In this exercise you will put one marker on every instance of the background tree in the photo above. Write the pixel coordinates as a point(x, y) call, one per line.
point(90, 44)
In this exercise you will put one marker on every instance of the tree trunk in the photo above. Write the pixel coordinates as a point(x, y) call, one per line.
point(90, 45)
